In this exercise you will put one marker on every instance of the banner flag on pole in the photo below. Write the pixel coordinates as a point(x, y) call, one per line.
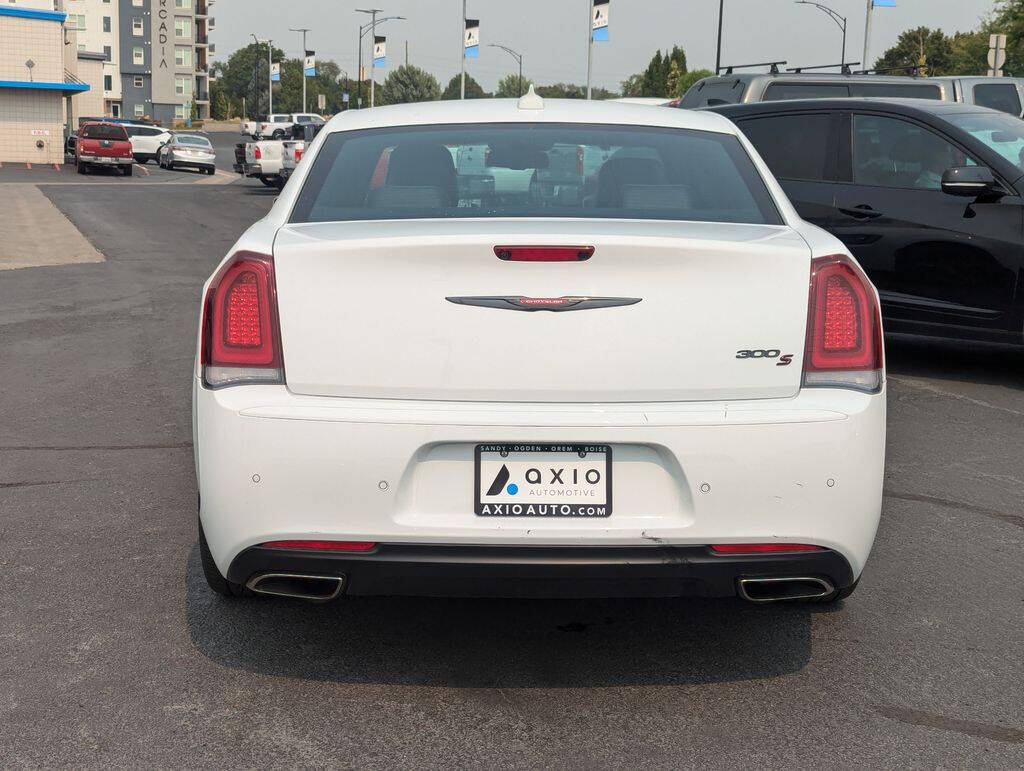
point(884, 3)
point(309, 65)
point(472, 38)
point(600, 20)
point(380, 51)
point(275, 72)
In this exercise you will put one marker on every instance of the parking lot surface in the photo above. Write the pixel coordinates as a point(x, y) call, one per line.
point(115, 652)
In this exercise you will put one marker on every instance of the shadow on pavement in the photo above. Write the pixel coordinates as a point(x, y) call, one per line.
point(993, 364)
point(461, 643)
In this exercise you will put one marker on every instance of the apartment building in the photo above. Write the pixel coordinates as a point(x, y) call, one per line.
point(164, 59)
point(96, 26)
point(36, 84)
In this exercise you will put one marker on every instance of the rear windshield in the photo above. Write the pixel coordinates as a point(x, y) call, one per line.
point(708, 93)
point(104, 132)
point(534, 170)
point(192, 141)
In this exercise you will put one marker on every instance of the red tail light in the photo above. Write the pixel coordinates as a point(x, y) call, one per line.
point(241, 341)
point(544, 253)
point(761, 548)
point(323, 545)
point(844, 328)
point(298, 154)
point(256, 152)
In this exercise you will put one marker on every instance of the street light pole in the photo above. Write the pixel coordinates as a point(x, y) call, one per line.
point(590, 43)
point(303, 30)
point(363, 29)
point(373, 42)
point(270, 80)
point(867, 36)
point(718, 50)
point(839, 20)
point(462, 46)
point(515, 55)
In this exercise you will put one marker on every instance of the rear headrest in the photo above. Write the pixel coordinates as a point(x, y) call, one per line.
point(423, 165)
point(616, 173)
point(420, 198)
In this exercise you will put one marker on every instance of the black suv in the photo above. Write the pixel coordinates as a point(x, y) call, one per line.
point(926, 194)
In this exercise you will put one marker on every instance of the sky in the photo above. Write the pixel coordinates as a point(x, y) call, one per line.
point(552, 34)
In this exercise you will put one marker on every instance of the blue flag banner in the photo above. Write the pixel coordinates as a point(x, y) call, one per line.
point(275, 72)
point(472, 41)
point(309, 65)
point(884, 4)
point(600, 21)
point(380, 51)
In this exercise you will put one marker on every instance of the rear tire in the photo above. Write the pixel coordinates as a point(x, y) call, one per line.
point(267, 181)
point(81, 168)
point(210, 172)
point(128, 170)
point(278, 134)
point(214, 579)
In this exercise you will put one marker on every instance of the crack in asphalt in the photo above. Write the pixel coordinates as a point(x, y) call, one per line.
point(1010, 519)
point(967, 727)
point(7, 485)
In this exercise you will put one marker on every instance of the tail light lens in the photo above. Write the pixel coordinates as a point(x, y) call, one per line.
point(298, 154)
point(241, 341)
point(844, 328)
point(256, 152)
point(761, 548)
point(544, 253)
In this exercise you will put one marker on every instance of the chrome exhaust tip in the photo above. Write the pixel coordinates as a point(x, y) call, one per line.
point(297, 586)
point(780, 588)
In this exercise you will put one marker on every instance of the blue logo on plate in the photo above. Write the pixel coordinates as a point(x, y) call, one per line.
point(513, 489)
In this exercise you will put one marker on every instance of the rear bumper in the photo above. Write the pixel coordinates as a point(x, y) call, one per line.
point(103, 160)
point(513, 571)
point(273, 465)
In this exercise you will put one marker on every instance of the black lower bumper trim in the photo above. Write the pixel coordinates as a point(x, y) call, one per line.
point(540, 571)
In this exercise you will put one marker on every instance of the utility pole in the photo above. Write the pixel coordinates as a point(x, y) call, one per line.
point(590, 43)
point(256, 78)
point(270, 81)
point(303, 30)
point(718, 50)
point(373, 43)
point(865, 62)
point(462, 51)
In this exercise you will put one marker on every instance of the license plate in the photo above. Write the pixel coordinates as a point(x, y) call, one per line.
point(543, 480)
point(106, 160)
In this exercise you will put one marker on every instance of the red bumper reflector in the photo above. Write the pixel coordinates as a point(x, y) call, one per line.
point(544, 253)
point(322, 545)
point(761, 548)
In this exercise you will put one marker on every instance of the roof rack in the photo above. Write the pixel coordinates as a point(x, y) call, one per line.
point(774, 67)
point(913, 69)
point(844, 68)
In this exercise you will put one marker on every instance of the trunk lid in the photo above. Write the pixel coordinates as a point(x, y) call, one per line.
point(364, 312)
point(106, 148)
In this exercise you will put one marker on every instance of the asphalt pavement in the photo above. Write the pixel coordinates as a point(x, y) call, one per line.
point(115, 653)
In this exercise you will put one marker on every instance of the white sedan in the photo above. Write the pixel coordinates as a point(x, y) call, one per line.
point(645, 378)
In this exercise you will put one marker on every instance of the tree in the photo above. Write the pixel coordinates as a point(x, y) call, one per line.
point(633, 85)
point(572, 91)
point(969, 52)
point(686, 80)
point(931, 51)
point(409, 83)
point(652, 82)
point(508, 86)
point(1008, 19)
point(655, 80)
point(454, 88)
point(237, 76)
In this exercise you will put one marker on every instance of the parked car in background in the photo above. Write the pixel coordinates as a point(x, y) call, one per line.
point(191, 151)
point(768, 87)
point(674, 409)
point(1003, 94)
point(146, 141)
point(103, 145)
point(928, 196)
point(250, 128)
point(291, 155)
point(261, 160)
point(279, 126)
point(651, 101)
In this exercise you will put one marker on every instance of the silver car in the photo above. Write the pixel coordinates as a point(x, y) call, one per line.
point(187, 150)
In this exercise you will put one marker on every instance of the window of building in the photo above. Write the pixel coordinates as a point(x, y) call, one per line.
point(182, 85)
point(106, 52)
point(115, 110)
point(182, 56)
point(182, 26)
point(179, 112)
point(137, 3)
point(139, 110)
point(75, 21)
point(81, 46)
point(137, 81)
point(108, 82)
point(138, 55)
point(106, 24)
point(137, 26)
point(182, 3)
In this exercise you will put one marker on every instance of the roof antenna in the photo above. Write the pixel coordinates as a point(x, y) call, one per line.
point(531, 101)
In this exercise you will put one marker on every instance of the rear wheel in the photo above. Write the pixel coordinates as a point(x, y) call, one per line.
point(210, 171)
point(266, 181)
point(128, 170)
point(82, 168)
point(214, 579)
point(278, 134)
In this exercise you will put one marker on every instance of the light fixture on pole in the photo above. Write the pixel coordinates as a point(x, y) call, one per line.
point(515, 55)
point(371, 25)
point(597, 29)
point(840, 20)
point(718, 50)
point(305, 53)
point(872, 4)
point(470, 45)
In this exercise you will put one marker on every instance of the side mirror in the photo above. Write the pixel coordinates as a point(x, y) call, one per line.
point(969, 181)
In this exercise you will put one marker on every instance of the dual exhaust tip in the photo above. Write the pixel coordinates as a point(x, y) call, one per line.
point(778, 588)
point(298, 586)
point(301, 586)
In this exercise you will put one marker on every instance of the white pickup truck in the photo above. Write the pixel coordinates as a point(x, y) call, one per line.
point(249, 128)
point(292, 151)
point(279, 125)
point(261, 160)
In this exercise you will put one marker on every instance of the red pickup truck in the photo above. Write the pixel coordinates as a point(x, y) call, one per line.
point(103, 144)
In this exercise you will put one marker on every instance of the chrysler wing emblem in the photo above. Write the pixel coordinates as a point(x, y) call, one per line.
point(519, 303)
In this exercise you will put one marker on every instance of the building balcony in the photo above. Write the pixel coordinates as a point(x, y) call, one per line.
point(203, 8)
